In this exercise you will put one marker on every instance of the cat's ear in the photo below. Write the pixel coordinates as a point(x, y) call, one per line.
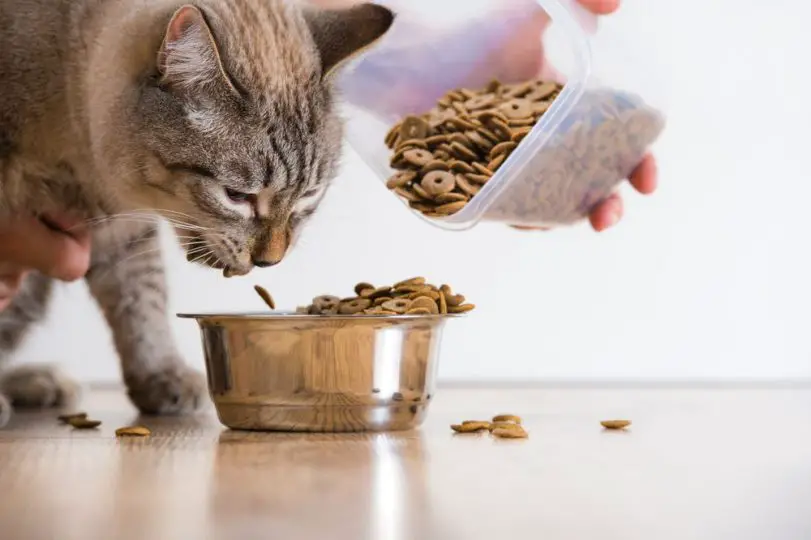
point(341, 34)
point(189, 57)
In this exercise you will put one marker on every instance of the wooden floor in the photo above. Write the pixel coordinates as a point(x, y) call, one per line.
point(701, 464)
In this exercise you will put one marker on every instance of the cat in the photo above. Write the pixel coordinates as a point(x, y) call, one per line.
point(219, 116)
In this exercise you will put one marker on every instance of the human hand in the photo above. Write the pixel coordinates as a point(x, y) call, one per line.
point(54, 245)
point(523, 58)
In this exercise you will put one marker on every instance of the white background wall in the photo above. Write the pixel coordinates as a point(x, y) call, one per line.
point(708, 279)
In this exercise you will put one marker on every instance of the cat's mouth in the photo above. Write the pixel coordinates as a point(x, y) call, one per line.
point(204, 251)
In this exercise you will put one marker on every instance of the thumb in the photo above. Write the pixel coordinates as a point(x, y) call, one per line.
point(29, 243)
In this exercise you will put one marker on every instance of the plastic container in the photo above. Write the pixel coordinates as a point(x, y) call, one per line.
point(588, 141)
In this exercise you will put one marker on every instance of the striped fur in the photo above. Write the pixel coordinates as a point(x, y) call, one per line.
point(218, 115)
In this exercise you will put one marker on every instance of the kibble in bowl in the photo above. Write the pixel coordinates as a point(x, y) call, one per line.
point(365, 362)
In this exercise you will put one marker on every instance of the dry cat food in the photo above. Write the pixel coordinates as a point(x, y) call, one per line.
point(68, 418)
point(507, 418)
point(262, 292)
point(515, 433)
point(445, 156)
point(133, 431)
point(615, 424)
point(503, 426)
point(79, 420)
point(414, 296)
point(83, 423)
point(471, 426)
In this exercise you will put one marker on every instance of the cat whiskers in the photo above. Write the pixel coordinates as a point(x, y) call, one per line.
point(149, 218)
point(204, 257)
point(197, 243)
point(156, 249)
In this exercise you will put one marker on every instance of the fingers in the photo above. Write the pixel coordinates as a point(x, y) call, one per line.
point(607, 213)
point(29, 243)
point(601, 7)
point(644, 178)
point(604, 216)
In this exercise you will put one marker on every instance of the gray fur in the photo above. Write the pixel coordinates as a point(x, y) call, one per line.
point(218, 116)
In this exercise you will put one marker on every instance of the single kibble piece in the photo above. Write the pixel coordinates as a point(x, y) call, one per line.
point(133, 431)
point(355, 306)
point(510, 433)
point(265, 295)
point(504, 425)
point(464, 308)
point(84, 423)
point(400, 305)
point(507, 418)
point(615, 424)
point(443, 304)
point(414, 127)
point(67, 418)
point(471, 426)
point(418, 311)
point(363, 286)
point(417, 157)
point(438, 183)
point(424, 302)
point(447, 198)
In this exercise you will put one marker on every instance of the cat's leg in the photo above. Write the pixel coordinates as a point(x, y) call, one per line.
point(38, 387)
point(29, 386)
point(127, 280)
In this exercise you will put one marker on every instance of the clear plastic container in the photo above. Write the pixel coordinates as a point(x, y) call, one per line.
point(588, 141)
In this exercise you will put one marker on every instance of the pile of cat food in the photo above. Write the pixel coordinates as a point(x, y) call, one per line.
point(445, 156)
point(414, 296)
point(503, 426)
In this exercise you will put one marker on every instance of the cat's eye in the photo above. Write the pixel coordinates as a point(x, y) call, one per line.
point(309, 193)
point(238, 196)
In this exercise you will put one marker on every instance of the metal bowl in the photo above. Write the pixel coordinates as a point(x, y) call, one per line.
point(291, 372)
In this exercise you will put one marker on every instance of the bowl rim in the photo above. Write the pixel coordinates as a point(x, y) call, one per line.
point(290, 315)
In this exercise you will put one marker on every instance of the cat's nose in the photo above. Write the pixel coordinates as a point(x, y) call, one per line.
point(260, 263)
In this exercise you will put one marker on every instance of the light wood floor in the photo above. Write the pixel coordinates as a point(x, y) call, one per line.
point(702, 464)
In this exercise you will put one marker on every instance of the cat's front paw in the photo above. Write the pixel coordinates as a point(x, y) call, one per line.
point(5, 411)
point(38, 387)
point(173, 390)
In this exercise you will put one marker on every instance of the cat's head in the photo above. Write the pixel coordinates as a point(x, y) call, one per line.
point(240, 126)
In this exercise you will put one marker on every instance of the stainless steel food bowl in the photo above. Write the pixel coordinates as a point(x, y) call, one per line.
point(290, 372)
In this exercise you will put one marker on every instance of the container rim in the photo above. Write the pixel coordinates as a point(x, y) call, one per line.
point(291, 316)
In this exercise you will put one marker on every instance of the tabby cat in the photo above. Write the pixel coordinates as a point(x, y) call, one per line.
point(218, 116)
